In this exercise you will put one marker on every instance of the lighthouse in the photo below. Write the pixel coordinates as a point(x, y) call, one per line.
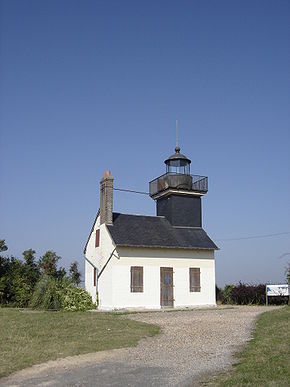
point(178, 193)
point(153, 262)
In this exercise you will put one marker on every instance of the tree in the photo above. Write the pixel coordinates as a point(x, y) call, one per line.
point(75, 274)
point(3, 246)
point(25, 282)
point(4, 269)
point(11, 277)
point(7, 279)
point(61, 273)
point(40, 284)
point(31, 269)
point(29, 258)
point(48, 263)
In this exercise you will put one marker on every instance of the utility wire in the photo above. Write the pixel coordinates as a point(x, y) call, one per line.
point(253, 237)
point(129, 190)
point(218, 240)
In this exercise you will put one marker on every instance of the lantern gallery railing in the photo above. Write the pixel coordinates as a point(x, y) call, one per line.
point(178, 181)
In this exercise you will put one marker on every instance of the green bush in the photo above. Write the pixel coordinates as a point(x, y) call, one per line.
point(22, 292)
point(227, 294)
point(77, 299)
point(59, 294)
point(48, 293)
point(38, 284)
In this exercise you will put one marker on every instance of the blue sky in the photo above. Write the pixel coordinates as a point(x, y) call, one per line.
point(88, 86)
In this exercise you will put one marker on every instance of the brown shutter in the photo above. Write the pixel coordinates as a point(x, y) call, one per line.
point(136, 279)
point(95, 276)
point(97, 240)
point(194, 279)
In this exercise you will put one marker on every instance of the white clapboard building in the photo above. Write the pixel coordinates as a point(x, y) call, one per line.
point(167, 260)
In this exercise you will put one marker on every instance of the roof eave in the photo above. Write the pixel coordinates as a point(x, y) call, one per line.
point(167, 247)
point(92, 229)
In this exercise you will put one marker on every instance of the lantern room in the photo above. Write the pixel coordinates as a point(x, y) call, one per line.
point(178, 163)
point(178, 178)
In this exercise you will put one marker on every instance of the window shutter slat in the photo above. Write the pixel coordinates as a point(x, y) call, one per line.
point(194, 279)
point(136, 279)
point(97, 240)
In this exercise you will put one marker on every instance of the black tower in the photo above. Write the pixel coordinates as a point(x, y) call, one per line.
point(178, 194)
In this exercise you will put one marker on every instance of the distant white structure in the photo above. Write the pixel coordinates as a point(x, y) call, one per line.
point(277, 290)
point(135, 261)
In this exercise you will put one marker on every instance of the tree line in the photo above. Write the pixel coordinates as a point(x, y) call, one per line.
point(40, 284)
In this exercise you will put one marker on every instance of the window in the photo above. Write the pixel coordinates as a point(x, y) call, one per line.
point(95, 276)
point(97, 240)
point(136, 279)
point(194, 279)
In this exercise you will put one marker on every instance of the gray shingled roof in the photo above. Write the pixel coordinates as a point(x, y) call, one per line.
point(156, 231)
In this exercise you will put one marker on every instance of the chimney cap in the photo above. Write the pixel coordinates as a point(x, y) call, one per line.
point(107, 176)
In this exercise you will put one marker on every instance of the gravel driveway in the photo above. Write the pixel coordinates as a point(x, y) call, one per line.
point(192, 344)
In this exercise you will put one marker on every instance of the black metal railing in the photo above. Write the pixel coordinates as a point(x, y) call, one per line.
point(179, 181)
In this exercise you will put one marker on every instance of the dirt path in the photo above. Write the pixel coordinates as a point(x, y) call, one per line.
point(192, 344)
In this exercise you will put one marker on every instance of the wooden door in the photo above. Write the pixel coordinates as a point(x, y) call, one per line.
point(166, 287)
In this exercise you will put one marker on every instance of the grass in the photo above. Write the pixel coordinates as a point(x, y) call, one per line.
point(33, 338)
point(265, 360)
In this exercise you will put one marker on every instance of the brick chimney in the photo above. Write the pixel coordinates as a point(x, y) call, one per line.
point(106, 205)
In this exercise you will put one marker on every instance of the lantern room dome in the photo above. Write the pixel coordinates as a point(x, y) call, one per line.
point(178, 163)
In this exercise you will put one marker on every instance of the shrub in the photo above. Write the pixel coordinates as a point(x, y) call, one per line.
point(218, 294)
point(48, 293)
point(227, 294)
point(40, 284)
point(77, 299)
point(244, 294)
point(22, 292)
point(59, 294)
point(278, 300)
